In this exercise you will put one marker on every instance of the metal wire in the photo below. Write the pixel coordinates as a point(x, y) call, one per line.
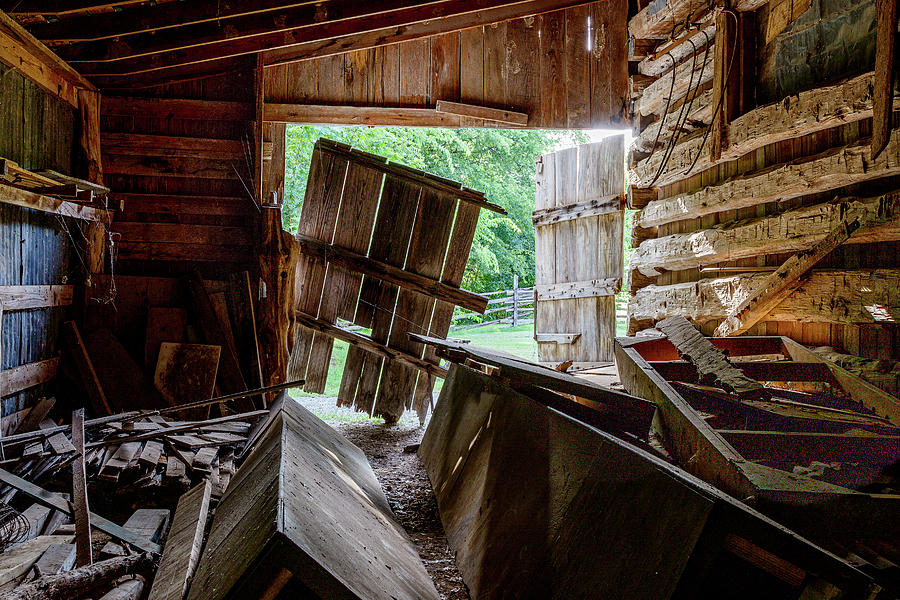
point(14, 527)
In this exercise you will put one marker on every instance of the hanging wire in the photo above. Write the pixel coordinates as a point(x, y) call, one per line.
point(721, 96)
point(668, 104)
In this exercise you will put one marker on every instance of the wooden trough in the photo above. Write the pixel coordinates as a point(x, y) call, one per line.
point(305, 517)
point(809, 445)
point(538, 504)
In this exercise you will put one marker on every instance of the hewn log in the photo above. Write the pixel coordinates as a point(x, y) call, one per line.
point(884, 73)
point(786, 278)
point(791, 231)
point(807, 112)
point(656, 22)
point(842, 297)
point(835, 168)
point(74, 584)
point(700, 116)
point(63, 208)
point(654, 98)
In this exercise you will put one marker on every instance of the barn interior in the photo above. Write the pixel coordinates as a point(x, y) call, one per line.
point(741, 439)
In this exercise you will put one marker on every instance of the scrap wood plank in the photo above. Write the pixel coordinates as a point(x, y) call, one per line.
point(119, 461)
point(524, 372)
point(59, 442)
point(882, 106)
point(79, 494)
point(187, 373)
point(787, 278)
point(58, 557)
point(36, 415)
point(27, 376)
point(182, 550)
point(18, 560)
point(60, 503)
point(151, 523)
point(711, 363)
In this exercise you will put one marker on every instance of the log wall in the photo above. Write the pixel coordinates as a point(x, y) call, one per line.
point(37, 131)
point(802, 161)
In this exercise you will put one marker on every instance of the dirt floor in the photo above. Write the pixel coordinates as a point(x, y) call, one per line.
point(406, 485)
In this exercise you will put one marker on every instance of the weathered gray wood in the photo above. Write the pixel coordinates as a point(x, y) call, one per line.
point(80, 505)
point(125, 590)
point(17, 561)
point(711, 364)
point(74, 584)
point(306, 500)
point(182, 550)
point(57, 559)
point(149, 523)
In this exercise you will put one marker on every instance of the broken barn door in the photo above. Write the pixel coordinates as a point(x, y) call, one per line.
point(578, 224)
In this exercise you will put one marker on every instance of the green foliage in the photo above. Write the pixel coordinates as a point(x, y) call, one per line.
point(498, 162)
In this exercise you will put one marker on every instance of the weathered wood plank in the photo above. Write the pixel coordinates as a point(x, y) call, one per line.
point(80, 510)
point(27, 376)
point(24, 297)
point(26, 199)
point(711, 364)
point(312, 114)
point(579, 210)
point(578, 289)
point(472, 111)
point(182, 550)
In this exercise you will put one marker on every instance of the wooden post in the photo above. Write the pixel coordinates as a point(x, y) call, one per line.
point(515, 311)
point(883, 105)
point(79, 494)
point(725, 87)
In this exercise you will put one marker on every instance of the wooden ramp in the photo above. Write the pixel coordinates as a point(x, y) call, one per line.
point(305, 517)
point(536, 504)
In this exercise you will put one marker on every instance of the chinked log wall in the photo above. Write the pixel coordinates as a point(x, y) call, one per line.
point(796, 160)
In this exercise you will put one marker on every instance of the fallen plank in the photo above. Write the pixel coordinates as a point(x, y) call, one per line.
point(61, 504)
point(125, 590)
point(150, 523)
point(57, 559)
point(19, 559)
point(282, 506)
point(711, 363)
point(36, 415)
point(80, 510)
point(182, 551)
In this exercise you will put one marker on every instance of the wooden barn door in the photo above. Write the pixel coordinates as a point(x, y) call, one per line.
point(579, 225)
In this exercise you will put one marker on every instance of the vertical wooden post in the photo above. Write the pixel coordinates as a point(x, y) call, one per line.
point(515, 318)
point(89, 140)
point(79, 494)
point(260, 98)
point(883, 103)
point(725, 90)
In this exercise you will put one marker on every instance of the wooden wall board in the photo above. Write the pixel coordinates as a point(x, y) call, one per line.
point(306, 500)
point(507, 65)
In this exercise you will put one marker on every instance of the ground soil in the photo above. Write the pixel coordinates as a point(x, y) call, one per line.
point(406, 485)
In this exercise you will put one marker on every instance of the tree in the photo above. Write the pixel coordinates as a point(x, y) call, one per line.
point(498, 162)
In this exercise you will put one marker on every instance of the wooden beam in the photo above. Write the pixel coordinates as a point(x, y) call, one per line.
point(867, 296)
point(386, 272)
point(711, 363)
point(176, 108)
point(26, 199)
point(578, 289)
point(474, 111)
point(57, 502)
point(807, 112)
point(177, 146)
point(368, 344)
point(181, 251)
point(313, 114)
point(792, 231)
point(23, 52)
point(23, 297)
point(27, 376)
point(40, 8)
point(725, 81)
point(832, 169)
point(662, 60)
point(803, 447)
point(886, 11)
point(304, 26)
point(658, 22)
point(591, 208)
point(177, 233)
point(157, 166)
point(171, 204)
point(786, 279)
point(678, 370)
point(83, 552)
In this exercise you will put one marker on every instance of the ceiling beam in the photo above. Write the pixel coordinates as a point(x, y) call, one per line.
point(145, 19)
point(59, 7)
point(295, 19)
point(335, 36)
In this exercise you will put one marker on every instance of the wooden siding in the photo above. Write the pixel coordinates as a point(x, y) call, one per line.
point(36, 131)
point(565, 69)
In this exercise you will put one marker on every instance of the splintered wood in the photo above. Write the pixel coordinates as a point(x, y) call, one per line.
point(383, 247)
point(711, 363)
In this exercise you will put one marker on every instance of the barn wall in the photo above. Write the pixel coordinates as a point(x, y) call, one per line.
point(565, 69)
point(834, 42)
point(37, 131)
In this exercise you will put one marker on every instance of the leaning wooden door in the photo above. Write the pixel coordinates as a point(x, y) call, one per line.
point(579, 222)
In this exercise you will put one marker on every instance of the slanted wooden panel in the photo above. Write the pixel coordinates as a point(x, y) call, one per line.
point(516, 72)
point(306, 500)
point(385, 272)
point(579, 251)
